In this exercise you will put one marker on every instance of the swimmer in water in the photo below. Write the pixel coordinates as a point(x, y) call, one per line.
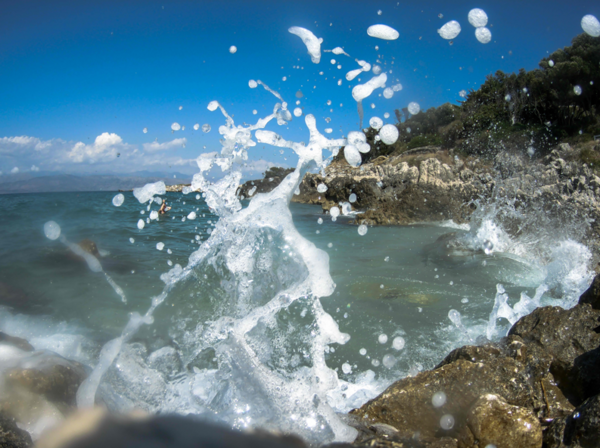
point(163, 208)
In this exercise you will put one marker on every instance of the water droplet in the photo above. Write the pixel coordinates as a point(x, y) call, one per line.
point(447, 422)
point(141, 224)
point(382, 338)
point(196, 127)
point(398, 343)
point(206, 128)
point(477, 17)
point(118, 200)
point(362, 230)
point(160, 246)
point(252, 84)
point(51, 230)
point(450, 30)
point(414, 108)
point(577, 90)
point(176, 126)
point(145, 130)
point(438, 400)
point(232, 49)
point(352, 198)
point(321, 188)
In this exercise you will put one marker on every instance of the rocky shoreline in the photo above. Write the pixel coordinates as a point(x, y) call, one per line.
point(537, 387)
point(432, 184)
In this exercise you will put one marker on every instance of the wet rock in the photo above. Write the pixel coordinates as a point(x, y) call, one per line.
point(11, 436)
point(407, 404)
point(493, 421)
point(20, 343)
point(17, 299)
point(96, 429)
point(579, 430)
point(273, 177)
point(90, 247)
point(53, 377)
point(592, 294)
point(571, 338)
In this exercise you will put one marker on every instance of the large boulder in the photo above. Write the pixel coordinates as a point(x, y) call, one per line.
point(571, 338)
point(49, 375)
point(408, 404)
point(492, 421)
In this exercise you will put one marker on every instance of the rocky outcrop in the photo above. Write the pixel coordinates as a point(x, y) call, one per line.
point(273, 177)
point(512, 393)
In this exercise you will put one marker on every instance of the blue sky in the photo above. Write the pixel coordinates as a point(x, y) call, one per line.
point(79, 80)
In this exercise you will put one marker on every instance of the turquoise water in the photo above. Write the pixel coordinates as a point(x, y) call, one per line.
point(239, 338)
point(397, 281)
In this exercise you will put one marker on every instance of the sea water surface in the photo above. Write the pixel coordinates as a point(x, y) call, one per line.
point(395, 286)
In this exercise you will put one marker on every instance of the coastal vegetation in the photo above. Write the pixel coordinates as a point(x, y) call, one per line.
point(528, 112)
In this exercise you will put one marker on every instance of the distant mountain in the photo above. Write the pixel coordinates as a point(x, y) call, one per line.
point(69, 182)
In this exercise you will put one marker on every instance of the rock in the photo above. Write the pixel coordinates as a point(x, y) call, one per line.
point(407, 404)
point(11, 436)
point(17, 299)
point(579, 430)
point(592, 294)
point(20, 343)
point(571, 339)
point(493, 421)
point(54, 377)
point(90, 247)
point(96, 429)
point(272, 178)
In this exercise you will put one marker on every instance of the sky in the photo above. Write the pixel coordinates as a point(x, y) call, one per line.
point(80, 80)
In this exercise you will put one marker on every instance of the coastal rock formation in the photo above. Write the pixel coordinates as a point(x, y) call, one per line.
point(581, 429)
point(508, 393)
point(492, 421)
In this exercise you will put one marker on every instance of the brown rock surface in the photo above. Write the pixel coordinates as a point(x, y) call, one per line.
point(571, 338)
point(493, 421)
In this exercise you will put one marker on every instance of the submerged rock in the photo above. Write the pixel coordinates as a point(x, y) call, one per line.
point(11, 436)
point(20, 343)
point(49, 375)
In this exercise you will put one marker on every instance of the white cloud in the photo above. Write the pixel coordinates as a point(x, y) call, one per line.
point(108, 152)
point(173, 144)
point(15, 170)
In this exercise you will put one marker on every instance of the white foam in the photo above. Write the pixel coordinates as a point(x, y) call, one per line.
point(148, 191)
point(313, 44)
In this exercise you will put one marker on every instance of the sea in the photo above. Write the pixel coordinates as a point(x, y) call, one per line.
point(402, 298)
